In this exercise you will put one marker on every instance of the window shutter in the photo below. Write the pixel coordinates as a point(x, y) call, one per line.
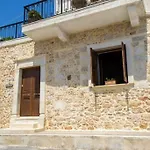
point(93, 66)
point(124, 63)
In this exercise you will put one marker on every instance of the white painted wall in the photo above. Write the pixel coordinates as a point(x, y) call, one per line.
point(147, 6)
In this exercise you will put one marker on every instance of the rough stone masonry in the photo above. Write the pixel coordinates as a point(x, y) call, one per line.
point(70, 105)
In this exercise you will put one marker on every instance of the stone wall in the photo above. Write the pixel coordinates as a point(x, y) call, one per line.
point(69, 103)
point(8, 56)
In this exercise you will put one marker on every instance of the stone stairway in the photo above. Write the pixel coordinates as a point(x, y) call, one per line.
point(23, 125)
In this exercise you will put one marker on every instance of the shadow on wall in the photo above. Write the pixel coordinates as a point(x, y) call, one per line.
point(63, 69)
point(63, 59)
point(140, 58)
point(63, 63)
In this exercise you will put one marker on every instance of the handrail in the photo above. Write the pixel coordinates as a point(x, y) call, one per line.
point(11, 31)
point(43, 9)
point(11, 24)
point(35, 3)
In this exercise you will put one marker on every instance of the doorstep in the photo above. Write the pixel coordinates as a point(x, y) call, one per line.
point(26, 123)
point(18, 131)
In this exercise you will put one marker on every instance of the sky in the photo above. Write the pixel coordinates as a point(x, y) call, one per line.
point(12, 11)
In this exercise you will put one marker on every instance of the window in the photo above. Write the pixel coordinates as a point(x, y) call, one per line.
point(109, 66)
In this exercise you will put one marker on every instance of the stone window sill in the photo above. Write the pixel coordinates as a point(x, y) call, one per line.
point(113, 88)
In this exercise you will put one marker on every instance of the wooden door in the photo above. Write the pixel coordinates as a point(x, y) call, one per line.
point(30, 92)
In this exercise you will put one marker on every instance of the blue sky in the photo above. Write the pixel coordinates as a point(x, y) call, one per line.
point(12, 10)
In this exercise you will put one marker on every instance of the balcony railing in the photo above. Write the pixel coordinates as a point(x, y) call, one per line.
point(44, 9)
point(50, 8)
point(41, 10)
point(11, 31)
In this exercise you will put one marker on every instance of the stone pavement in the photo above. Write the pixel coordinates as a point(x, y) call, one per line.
point(17, 148)
point(21, 148)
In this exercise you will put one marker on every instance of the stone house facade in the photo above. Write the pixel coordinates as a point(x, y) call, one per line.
point(69, 98)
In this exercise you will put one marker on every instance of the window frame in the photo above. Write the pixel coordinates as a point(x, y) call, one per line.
point(110, 45)
point(95, 72)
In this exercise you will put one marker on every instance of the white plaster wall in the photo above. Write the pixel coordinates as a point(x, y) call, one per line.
point(147, 6)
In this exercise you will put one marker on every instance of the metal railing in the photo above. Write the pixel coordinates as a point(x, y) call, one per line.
point(11, 31)
point(45, 8)
point(63, 6)
point(50, 8)
point(42, 9)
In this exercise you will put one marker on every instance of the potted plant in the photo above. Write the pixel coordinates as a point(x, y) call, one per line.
point(33, 15)
point(79, 3)
point(93, 1)
point(110, 81)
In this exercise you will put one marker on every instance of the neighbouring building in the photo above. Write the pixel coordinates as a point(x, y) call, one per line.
point(75, 74)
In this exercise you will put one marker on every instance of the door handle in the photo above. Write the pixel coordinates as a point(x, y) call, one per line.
point(36, 94)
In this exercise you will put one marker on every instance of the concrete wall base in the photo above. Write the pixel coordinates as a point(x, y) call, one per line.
point(72, 140)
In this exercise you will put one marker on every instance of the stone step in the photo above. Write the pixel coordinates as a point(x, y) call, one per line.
point(9, 131)
point(26, 125)
point(27, 119)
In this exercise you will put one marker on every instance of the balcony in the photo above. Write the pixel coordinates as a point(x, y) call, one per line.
point(58, 18)
point(11, 31)
point(64, 18)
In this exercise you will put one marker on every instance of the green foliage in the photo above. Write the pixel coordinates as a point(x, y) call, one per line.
point(33, 15)
point(79, 3)
point(6, 39)
point(94, 0)
point(110, 79)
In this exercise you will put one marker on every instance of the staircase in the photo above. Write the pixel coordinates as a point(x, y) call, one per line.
point(23, 125)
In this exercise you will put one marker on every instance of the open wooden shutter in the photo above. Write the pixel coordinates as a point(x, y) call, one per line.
point(94, 75)
point(124, 63)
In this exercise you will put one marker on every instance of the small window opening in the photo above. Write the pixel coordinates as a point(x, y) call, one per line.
point(109, 66)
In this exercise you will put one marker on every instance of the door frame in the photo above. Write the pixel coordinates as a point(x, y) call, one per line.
point(22, 64)
point(31, 73)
